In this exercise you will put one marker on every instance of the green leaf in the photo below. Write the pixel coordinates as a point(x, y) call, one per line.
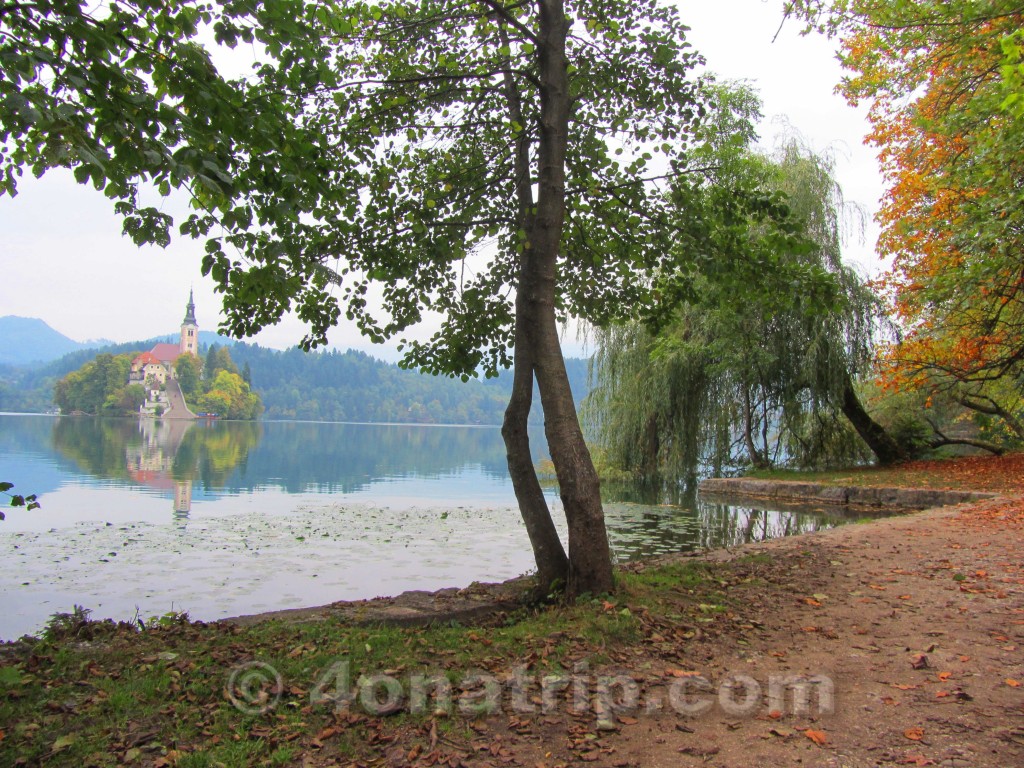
point(63, 742)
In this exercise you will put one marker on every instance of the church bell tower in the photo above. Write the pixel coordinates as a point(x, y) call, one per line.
point(190, 329)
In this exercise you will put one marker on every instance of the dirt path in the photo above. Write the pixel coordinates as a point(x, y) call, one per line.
point(916, 622)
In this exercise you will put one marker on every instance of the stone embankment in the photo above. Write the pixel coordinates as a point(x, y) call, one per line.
point(834, 495)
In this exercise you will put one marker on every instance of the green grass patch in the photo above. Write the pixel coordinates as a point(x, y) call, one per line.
point(109, 695)
point(135, 696)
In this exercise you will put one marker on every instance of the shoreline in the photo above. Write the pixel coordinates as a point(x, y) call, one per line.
point(484, 600)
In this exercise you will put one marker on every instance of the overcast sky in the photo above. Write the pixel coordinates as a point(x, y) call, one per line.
point(64, 259)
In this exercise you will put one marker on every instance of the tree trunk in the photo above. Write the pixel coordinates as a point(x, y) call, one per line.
point(552, 563)
point(590, 567)
point(878, 440)
point(652, 448)
point(548, 553)
point(756, 459)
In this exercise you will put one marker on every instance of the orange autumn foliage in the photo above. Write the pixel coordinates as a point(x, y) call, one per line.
point(953, 160)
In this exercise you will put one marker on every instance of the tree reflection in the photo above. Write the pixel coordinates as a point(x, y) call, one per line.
point(166, 455)
point(638, 530)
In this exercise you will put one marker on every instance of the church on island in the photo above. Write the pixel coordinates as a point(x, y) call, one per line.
point(155, 371)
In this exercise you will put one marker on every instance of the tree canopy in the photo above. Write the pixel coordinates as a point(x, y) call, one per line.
point(100, 387)
point(494, 167)
point(943, 81)
point(759, 329)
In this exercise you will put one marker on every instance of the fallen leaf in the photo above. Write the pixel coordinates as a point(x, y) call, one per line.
point(1012, 683)
point(818, 737)
point(914, 734)
point(681, 673)
point(903, 687)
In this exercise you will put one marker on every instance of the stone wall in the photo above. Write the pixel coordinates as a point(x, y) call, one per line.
point(785, 490)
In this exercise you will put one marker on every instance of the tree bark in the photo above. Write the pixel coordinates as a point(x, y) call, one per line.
point(871, 432)
point(652, 448)
point(941, 439)
point(548, 553)
point(758, 460)
point(590, 567)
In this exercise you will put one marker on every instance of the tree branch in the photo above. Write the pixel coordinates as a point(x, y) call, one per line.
point(940, 439)
point(503, 11)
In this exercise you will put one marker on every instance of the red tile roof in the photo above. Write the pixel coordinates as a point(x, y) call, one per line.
point(166, 353)
point(145, 358)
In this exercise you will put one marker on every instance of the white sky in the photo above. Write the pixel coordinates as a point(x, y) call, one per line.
point(63, 257)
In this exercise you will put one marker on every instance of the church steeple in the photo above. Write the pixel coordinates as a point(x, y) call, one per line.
point(190, 311)
point(190, 329)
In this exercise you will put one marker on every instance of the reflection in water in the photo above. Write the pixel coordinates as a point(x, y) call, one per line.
point(277, 515)
point(165, 455)
point(151, 461)
point(637, 530)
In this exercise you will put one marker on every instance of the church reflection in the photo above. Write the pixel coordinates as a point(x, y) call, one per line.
point(151, 461)
point(175, 458)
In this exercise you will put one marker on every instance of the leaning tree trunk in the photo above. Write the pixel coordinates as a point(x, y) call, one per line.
point(552, 563)
point(879, 441)
point(590, 566)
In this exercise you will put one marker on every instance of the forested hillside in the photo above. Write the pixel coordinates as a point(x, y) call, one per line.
point(327, 386)
point(353, 386)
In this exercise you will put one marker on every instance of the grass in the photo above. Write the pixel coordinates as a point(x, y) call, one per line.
point(98, 694)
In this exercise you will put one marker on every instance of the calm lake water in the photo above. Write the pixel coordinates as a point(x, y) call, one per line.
point(227, 518)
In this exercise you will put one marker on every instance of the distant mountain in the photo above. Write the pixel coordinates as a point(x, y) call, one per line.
point(29, 340)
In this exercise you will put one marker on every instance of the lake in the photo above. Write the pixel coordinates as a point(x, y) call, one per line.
point(142, 518)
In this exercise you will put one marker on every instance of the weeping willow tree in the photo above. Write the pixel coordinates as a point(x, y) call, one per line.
point(750, 354)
